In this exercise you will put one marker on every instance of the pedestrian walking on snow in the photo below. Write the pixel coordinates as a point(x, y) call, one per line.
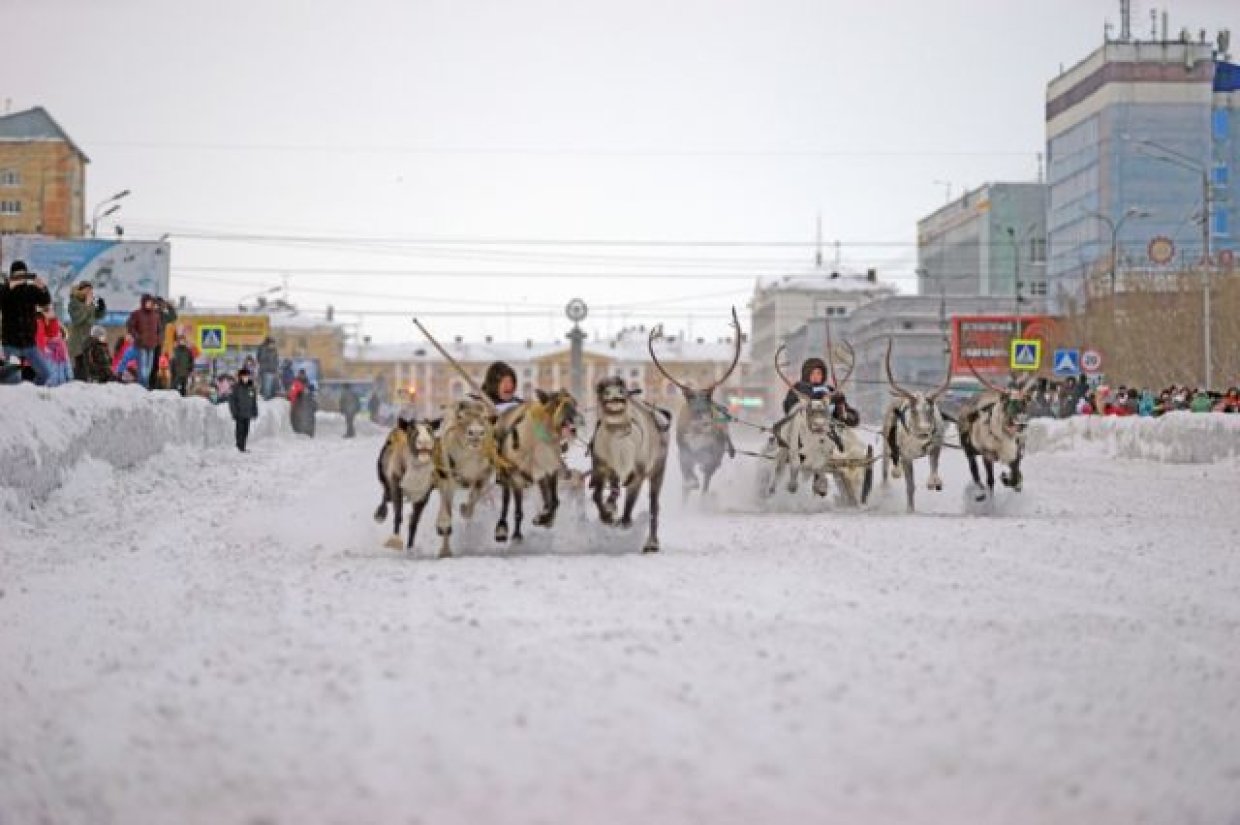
point(243, 404)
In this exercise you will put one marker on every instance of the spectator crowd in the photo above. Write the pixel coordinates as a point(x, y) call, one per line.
point(39, 348)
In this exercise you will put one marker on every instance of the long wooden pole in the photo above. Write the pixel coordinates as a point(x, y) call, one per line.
point(455, 364)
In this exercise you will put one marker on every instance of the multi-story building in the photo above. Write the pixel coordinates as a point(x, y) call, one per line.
point(42, 177)
point(1141, 137)
point(781, 306)
point(990, 242)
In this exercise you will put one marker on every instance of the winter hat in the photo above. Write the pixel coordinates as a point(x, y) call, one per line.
point(98, 332)
point(812, 364)
point(17, 267)
point(243, 371)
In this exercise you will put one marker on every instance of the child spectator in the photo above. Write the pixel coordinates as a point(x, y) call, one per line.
point(50, 339)
point(96, 362)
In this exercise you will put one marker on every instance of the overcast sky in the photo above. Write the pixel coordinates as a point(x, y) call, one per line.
point(375, 127)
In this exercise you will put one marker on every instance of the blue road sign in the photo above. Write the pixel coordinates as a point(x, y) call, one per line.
point(1067, 362)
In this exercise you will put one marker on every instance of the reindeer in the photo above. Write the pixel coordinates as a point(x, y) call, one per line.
point(816, 439)
point(807, 439)
point(406, 468)
point(533, 437)
point(913, 428)
point(702, 435)
point(992, 425)
point(465, 457)
point(629, 447)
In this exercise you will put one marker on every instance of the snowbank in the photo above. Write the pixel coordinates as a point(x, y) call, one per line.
point(47, 432)
point(1176, 438)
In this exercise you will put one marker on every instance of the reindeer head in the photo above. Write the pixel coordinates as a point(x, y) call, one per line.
point(475, 421)
point(702, 415)
point(612, 397)
point(421, 438)
point(559, 410)
point(1011, 405)
point(919, 411)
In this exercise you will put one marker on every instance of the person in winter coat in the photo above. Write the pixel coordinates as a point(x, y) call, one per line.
point(243, 404)
point(268, 368)
point(126, 355)
point(50, 338)
point(84, 310)
point(163, 374)
point(181, 364)
point(350, 405)
point(1201, 402)
point(144, 325)
point(814, 384)
point(96, 360)
point(167, 315)
point(500, 385)
point(286, 375)
point(20, 300)
point(296, 392)
point(307, 405)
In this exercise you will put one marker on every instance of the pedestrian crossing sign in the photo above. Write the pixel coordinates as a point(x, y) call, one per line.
point(1026, 354)
point(1067, 362)
point(212, 339)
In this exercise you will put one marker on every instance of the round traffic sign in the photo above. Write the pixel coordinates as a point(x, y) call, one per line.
point(1091, 360)
point(1161, 250)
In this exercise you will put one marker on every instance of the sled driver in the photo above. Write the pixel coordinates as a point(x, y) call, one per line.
point(500, 385)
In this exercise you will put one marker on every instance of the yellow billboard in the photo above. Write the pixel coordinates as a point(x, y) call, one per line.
point(239, 330)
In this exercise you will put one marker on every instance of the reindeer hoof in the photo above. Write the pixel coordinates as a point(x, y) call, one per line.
point(626, 523)
point(381, 514)
point(445, 553)
point(501, 532)
point(650, 546)
point(896, 472)
point(392, 542)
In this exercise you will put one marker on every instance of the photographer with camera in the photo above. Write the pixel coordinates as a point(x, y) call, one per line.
point(84, 310)
point(20, 300)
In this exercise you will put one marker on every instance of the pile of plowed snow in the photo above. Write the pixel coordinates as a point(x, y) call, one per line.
point(46, 432)
point(1175, 438)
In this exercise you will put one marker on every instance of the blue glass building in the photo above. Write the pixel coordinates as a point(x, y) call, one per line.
point(1139, 134)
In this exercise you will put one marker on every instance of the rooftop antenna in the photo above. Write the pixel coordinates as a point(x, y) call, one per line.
point(1154, 24)
point(1125, 20)
point(818, 245)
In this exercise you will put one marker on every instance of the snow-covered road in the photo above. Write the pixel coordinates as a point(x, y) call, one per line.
point(214, 637)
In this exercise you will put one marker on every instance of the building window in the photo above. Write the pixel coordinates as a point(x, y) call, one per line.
point(834, 312)
point(1037, 287)
point(635, 373)
point(10, 207)
point(10, 177)
point(1220, 223)
point(1037, 250)
point(1221, 175)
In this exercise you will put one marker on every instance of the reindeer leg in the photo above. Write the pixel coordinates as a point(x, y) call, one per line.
point(910, 486)
point(550, 490)
point(971, 455)
point(518, 512)
point(606, 507)
point(688, 471)
point(415, 515)
point(794, 471)
point(990, 477)
point(443, 524)
point(631, 491)
point(781, 459)
point(656, 484)
point(397, 497)
point(381, 510)
point(501, 527)
point(935, 482)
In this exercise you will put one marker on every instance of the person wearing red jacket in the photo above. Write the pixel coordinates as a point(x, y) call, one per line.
point(145, 324)
point(50, 339)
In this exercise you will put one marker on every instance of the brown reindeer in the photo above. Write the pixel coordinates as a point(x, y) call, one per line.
point(702, 437)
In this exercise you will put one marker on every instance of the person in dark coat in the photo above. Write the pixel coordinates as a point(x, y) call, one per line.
point(84, 310)
point(243, 404)
point(167, 315)
point(96, 360)
point(350, 405)
point(500, 385)
point(268, 368)
point(814, 384)
point(144, 324)
point(20, 300)
point(182, 364)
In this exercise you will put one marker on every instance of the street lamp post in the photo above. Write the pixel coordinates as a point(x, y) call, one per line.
point(95, 216)
point(1115, 226)
point(1185, 162)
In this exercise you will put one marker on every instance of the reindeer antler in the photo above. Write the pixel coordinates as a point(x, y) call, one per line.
point(891, 378)
point(780, 371)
